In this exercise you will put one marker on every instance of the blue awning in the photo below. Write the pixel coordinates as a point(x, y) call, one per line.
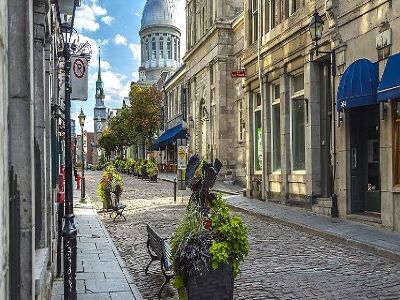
point(171, 135)
point(389, 88)
point(358, 85)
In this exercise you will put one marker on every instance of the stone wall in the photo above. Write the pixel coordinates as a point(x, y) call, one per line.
point(4, 210)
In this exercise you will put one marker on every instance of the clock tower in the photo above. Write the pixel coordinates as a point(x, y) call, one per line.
point(100, 114)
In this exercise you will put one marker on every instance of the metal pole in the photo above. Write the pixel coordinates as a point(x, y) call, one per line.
point(69, 230)
point(175, 190)
point(83, 173)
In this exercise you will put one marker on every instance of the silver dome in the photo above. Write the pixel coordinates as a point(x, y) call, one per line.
point(158, 12)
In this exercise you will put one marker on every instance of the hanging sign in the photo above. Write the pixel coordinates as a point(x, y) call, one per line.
point(181, 157)
point(79, 78)
point(238, 74)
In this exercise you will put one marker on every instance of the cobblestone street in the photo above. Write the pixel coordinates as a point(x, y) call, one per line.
point(283, 263)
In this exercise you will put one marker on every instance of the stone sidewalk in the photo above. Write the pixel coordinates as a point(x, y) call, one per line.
point(378, 241)
point(101, 273)
point(382, 242)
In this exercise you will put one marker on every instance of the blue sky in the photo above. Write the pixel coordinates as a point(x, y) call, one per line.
point(114, 26)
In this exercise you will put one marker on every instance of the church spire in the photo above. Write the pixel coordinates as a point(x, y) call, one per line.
point(99, 74)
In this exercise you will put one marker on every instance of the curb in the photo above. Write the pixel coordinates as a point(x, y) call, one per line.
point(135, 291)
point(385, 253)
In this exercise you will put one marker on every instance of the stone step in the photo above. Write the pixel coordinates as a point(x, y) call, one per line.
point(321, 209)
point(326, 202)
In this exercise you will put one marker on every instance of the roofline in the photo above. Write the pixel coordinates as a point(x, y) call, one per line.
point(181, 69)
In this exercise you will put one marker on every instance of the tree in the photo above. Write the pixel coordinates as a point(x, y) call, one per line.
point(145, 112)
point(107, 141)
point(122, 129)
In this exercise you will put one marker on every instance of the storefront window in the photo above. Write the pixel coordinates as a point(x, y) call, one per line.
point(275, 127)
point(396, 151)
point(298, 123)
point(258, 149)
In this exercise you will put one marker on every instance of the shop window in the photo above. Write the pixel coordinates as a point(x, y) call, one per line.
point(298, 123)
point(396, 154)
point(258, 149)
point(275, 127)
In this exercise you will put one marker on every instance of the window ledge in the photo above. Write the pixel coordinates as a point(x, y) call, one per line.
point(41, 262)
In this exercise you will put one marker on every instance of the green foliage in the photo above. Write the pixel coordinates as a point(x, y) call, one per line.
point(231, 234)
point(110, 182)
point(138, 166)
point(178, 282)
point(151, 168)
point(108, 142)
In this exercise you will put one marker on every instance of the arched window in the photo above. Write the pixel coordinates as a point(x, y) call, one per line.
point(153, 48)
point(161, 47)
point(147, 50)
point(175, 49)
point(169, 47)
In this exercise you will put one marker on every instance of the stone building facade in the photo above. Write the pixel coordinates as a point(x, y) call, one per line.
point(31, 139)
point(214, 45)
point(302, 141)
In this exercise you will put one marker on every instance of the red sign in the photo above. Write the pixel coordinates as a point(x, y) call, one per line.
point(79, 68)
point(238, 74)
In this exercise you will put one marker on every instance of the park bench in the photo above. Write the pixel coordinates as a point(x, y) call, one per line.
point(159, 249)
point(117, 208)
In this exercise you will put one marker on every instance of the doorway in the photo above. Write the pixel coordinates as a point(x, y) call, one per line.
point(364, 160)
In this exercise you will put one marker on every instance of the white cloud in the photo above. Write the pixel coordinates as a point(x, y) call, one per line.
point(89, 123)
point(103, 42)
point(107, 20)
point(135, 76)
point(87, 15)
point(105, 65)
point(120, 40)
point(136, 51)
point(137, 14)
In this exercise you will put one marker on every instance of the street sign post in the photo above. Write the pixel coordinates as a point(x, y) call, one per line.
point(79, 78)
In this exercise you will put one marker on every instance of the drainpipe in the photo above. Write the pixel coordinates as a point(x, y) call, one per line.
point(334, 209)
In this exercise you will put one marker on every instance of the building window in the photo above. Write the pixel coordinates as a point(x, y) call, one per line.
point(396, 148)
point(179, 50)
point(275, 128)
point(175, 48)
point(294, 5)
point(169, 47)
point(147, 50)
point(161, 42)
point(298, 124)
point(272, 13)
point(153, 48)
point(240, 121)
point(204, 20)
point(258, 149)
point(212, 74)
point(254, 21)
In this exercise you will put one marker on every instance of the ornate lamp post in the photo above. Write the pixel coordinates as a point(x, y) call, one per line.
point(316, 28)
point(66, 9)
point(82, 118)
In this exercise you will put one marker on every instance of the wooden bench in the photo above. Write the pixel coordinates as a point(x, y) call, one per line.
point(117, 208)
point(159, 249)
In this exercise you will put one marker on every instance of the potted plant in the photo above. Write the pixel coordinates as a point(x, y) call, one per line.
point(210, 243)
point(152, 170)
point(143, 170)
point(110, 182)
point(138, 168)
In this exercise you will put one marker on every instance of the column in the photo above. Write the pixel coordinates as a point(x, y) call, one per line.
point(39, 142)
point(285, 136)
point(4, 196)
point(21, 137)
point(312, 128)
point(247, 108)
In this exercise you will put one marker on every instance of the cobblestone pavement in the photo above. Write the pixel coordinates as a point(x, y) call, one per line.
point(283, 263)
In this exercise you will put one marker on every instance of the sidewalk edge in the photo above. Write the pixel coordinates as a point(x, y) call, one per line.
point(385, 253)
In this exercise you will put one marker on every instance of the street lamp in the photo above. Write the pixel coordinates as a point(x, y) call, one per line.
point(316, 30)
point(66, 11)
point(82, 118)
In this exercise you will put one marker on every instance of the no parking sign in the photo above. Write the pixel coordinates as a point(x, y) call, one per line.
point(79, 78)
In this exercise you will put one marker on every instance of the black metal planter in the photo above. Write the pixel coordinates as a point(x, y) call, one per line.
point(153, 178)
point(214, 285)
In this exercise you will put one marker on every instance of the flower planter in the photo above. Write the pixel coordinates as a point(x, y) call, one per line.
point(153, 178)
point(214, 285)
point(108, 203)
